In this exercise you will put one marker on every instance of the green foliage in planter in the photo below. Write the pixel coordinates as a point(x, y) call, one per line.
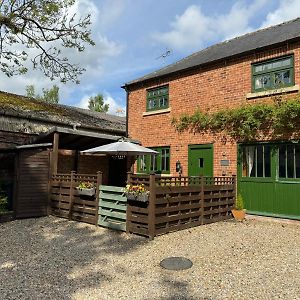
point(244, 122)
point(239, 203)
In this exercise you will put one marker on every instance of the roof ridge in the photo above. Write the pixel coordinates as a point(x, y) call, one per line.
point(203, 54)
point(63, 106)
point(231, 40)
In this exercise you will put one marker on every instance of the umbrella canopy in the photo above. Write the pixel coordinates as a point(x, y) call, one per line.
point(122, 148)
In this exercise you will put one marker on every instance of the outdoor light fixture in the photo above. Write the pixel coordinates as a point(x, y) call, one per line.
point(178, 167)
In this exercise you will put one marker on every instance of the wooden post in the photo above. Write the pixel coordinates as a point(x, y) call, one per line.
point(151, 207)
point(99, 182)
point(54, 156)
point(16, 185)
point(234, 182)
point(76, 160)
point(202, 199)
point(128, 208)
point(71, 195)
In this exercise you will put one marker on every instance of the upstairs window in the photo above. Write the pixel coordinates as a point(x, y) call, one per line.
point(158, 98)
point(273, 74)
point(159, 163)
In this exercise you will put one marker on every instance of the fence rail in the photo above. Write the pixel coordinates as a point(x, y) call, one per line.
point(180, 203)
point(65, 202)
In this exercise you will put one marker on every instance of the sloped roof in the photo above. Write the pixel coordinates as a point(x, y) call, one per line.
point(249, 42)
point(21, 106)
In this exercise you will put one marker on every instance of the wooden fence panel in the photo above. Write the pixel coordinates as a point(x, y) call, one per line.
point(181, 203)
point(112, 207)
point(65, 201)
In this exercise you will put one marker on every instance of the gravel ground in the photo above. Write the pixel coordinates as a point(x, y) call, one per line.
point(52, 258)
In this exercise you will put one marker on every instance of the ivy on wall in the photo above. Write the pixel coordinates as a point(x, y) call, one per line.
point(245, 122)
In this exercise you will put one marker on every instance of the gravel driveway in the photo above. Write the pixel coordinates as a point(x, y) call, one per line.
point(52, 258)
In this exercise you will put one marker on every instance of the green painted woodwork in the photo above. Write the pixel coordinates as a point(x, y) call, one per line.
point(158, 98)
point(160, 163)
point(200, 160)
point(112, 207)
point(272, 196)
point(270, 69)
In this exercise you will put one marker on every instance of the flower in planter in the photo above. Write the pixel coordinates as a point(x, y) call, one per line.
point(85, 185)
point(136, 192)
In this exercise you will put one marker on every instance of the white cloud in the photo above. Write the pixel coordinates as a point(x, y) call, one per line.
point(193, 29)
point(287, 10)
point(115, 108)
point(93, 59)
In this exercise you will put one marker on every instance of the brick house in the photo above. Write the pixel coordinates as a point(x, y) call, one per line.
point(243, 70)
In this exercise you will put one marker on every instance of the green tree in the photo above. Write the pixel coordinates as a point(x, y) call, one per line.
point(46, 27)
point(49, 95)
point(96, 103)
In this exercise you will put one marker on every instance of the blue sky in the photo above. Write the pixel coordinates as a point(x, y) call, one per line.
point(130, 35)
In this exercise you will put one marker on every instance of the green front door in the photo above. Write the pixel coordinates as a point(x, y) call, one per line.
point(200, 160)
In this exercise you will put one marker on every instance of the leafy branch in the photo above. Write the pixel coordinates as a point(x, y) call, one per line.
point(46, 27)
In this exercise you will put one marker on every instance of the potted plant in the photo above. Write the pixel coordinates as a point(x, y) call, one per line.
point(238, 211)
point(86, 188)
point(136, 192)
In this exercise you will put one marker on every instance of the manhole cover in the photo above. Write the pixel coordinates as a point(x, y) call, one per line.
point(176, 263)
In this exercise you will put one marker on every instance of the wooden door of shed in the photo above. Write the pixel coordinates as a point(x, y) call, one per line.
point(32, 175)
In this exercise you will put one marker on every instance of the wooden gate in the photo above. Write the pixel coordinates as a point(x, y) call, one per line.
point(112, 207)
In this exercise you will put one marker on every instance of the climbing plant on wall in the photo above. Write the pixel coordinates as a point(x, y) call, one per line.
point(245, 122)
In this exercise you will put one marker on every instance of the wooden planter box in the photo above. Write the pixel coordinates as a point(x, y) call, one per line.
point(86, 192)
point(140, 197)
point(6, 216)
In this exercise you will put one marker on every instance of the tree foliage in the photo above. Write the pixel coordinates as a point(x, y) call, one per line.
point(49, 95)
point(246, 122)
point(96, 103)
point(45, 28)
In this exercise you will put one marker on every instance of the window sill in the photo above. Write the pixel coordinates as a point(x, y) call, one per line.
point(157, 112)
point(294, 88)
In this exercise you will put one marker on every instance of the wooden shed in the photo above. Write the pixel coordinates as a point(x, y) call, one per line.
point(38, 139)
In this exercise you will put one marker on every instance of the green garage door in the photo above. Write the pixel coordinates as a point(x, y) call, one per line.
point(269, 179)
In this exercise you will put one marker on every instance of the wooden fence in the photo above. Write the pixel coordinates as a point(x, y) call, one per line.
point(64, 200)
point(175, 203)
point(179, 203)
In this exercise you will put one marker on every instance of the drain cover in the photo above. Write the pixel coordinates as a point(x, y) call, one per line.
point(176, 263)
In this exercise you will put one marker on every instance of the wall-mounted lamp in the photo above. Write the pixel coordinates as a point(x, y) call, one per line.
point(178, 167)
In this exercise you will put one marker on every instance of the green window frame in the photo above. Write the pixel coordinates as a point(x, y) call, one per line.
point(289, 161)
point(256, 161)
point(273, 74)
point(159, 163)
point(158, 98)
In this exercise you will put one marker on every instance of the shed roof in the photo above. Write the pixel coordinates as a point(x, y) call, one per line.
point(240, 45)
point(29, 108)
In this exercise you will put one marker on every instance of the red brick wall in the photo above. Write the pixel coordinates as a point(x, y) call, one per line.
point(218, 86)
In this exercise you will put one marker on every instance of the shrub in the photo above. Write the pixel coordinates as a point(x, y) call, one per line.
point(239, 203)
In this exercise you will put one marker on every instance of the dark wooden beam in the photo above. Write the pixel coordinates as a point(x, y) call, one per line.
point(54, 156)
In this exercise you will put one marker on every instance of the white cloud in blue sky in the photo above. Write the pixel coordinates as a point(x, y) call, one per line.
point(131, 34)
